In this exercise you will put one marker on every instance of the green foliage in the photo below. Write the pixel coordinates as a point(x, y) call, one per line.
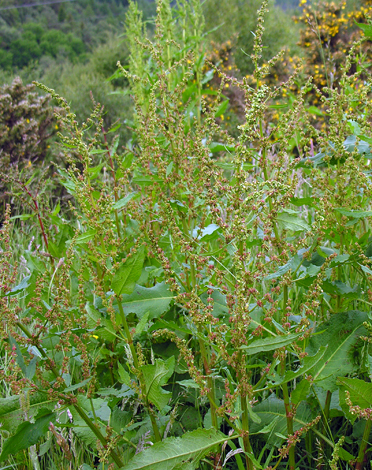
point(202, 290)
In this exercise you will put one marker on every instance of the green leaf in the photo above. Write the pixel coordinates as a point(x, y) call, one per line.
point(270, 344)
point(155, 300)
point(84, 237)
point(366, 28)
point(20, 287)
point(28, 434)
point(365, 269)
point(156, 375)
point(11, 411)
point(340, 333)
point(292, 222)
point(22, 216)
point(354, 214)
point(207, 233)
point(169, 169)
point(79, 385)
point(123, 201)
point(123, 374)
point(221, 108)
point(177, 451)
point(309, 362)
point(273, 409)
point(360, 394)
point(281, 271)
point(300, 392)
point(114, 128)
point(217, 147)
point(128, 273)
point(142, 323)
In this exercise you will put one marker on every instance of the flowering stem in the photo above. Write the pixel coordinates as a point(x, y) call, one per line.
point(128, 335)
point(37, 210)
point(114, 177)
point(289, 417)
point(211, 394)
point(245, 426)
point(77, 407)
point(139, 375)
point(363, 445)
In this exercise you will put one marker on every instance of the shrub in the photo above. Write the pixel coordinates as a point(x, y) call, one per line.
point(26, 120)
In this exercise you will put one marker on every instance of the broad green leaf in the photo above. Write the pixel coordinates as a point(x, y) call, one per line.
point(120, 419)
point(300, 392)
point(145, 180)
point(142, 323)
point(169, 169)
point(20, 287)
point(360, 394)
point(79, 385)
point(354, 214)
point(220, 308)
point(84, 237)
point(309, 362)
point(341, 334)
point(273, 409)
point(207, 233)
point(156, 375)
point(177, 451)
point(221, 108)
point(292, 222)
point(12, 414)
point(270, 344)
point(280, 272)
point(28, 434)
point(155, 300)
point(128, 273)
point(22, 216)
point(123, 201)
point(366, 28)
point(219, 147)
point(123, 374)
point(365, 269)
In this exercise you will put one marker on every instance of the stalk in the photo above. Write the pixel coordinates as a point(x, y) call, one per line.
point(245, 427)
point(37, 210)
point(363, 445)
point(289, 417)
point(128, 335)
point(139, 376)
point(77, 407)
point(211, 393)
point(114, 177)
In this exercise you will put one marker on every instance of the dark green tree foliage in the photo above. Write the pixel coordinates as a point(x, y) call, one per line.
point(25, 124)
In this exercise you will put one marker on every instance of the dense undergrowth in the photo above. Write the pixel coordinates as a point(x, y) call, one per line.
point(199, 298)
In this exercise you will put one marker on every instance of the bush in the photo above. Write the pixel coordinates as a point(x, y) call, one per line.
point(26, 120)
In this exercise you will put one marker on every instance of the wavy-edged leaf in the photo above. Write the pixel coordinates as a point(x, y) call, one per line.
point(28, 434)
point(177, 452)
point(341, 334)
point(12, 414)
point(128, 273)
point(123, 201)
point(273, 409)
point(155, 300)
point(155, 376)
point(270, 344)
point(360, 394)
point(292, 222)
